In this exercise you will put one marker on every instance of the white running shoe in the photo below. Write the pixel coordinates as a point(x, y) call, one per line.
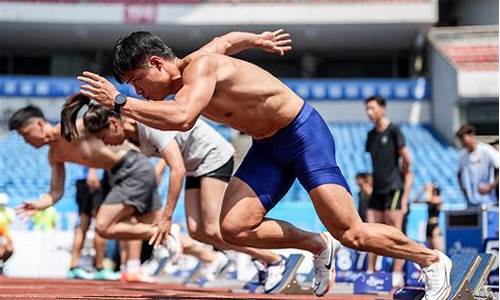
point(398, 279)
point(324, 266)
point(216, 267)
point(275, 274)
point(173, 243)
point(436, 278)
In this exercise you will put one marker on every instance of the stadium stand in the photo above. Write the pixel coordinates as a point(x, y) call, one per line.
point(28, 173)
point(469, 48)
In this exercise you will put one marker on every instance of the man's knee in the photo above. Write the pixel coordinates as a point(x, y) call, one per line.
point(231, 231)
point(354, 238)
point(212, 233)
point(104, 229)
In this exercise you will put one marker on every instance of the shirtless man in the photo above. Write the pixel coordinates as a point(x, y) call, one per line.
point(290, 141)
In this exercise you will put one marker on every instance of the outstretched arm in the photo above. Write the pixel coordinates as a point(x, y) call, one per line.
point(234, 42)
point(172, 156)
point(29, 208)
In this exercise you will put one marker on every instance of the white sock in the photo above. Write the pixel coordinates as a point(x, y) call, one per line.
point(133, 265)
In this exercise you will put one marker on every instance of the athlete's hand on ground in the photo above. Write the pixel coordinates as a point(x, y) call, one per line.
point(28, 209)
point(275, 42)
point(162, 230)
point(98, 88)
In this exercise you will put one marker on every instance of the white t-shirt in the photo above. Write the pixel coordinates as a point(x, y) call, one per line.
point(478, 168)
point(203, 149)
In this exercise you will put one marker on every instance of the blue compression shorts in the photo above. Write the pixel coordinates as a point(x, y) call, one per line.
point(304, 149)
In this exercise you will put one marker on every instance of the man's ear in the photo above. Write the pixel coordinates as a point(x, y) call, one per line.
point(156, 62)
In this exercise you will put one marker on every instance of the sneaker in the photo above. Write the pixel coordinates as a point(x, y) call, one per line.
point(216, 267)
point(274, 276)
point(261, 271)
point(161, 255)
point(137, 277)
point(105, 274)
point(324, 266)
point(79, 273)
point(436, 278)
point(173, 243)
point(398, 280)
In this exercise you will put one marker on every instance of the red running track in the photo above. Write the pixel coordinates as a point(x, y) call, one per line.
point(27, 288)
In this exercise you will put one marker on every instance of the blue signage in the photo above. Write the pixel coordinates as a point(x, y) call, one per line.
point(309, 89)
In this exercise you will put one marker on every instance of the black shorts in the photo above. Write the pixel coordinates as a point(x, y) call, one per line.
point(89, 201)
point(223, 173)
point(430, 228)
point(386, 201)
point(133, 182)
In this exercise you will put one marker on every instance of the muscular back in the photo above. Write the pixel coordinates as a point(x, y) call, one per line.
point(87, 150)
point(247, 97)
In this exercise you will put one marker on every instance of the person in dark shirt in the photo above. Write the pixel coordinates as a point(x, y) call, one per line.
point(392, 178)
point(365, 185)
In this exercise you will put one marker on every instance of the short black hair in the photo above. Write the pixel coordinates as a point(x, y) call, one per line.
point(22, 116)
point(132, 50)
point(465, 129)
point(380, 100)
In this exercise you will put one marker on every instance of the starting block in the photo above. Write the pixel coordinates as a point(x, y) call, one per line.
point(468, 275)
point(289, 285)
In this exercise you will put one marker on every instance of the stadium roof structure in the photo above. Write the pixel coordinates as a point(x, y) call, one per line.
point(472, 51)
point(319, 25)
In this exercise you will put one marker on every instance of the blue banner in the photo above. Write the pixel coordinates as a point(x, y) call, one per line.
point(308, 89)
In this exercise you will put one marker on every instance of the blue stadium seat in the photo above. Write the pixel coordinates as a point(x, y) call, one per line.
point(26, 172)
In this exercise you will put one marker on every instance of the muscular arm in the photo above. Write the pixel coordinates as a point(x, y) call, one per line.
point(173, 158)
point(159, 168)
point(180, 114)
point(56, 186)
point(235, 42)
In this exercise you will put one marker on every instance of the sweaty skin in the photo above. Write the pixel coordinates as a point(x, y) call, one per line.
point(246, 97)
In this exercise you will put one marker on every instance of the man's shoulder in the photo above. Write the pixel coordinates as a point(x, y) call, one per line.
point(394, 127)
point(485, 147)
point(372, 131)
point(200, 57)
point(55, 154)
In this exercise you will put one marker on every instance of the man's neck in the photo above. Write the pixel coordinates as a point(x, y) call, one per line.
point(382, 124)
point(473, 147)
point(54, 134)
point(131, 131)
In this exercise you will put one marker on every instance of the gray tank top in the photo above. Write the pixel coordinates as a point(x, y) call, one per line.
point(203, 149)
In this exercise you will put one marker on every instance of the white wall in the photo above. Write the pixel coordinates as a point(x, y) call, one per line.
point(213, 13)
point(445, 111)
point(354, 111)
